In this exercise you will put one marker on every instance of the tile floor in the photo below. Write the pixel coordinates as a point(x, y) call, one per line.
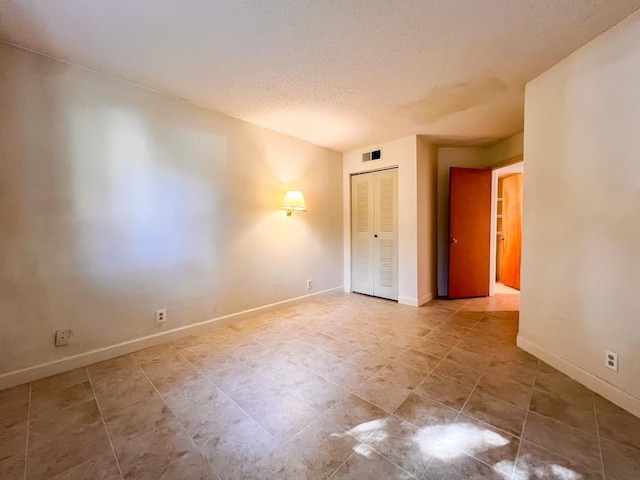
point(344, 387)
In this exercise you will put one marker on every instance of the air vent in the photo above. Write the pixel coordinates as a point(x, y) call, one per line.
point(372, 156)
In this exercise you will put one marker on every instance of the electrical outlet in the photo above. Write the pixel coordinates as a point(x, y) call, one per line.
point(309, 284)
point(161, 315)
point(62, 337)
point(611, 360)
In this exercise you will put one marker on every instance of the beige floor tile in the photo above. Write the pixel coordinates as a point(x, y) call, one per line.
point(484, 442)
point(246, 350)
point(444, 338)
point(368, 360)
point(118, 366)
point(451, 394)
point(14, 405)
point(247, 451)
point(404, 444)
point(324, 446)
point(275, 401)
point(204, 410)
point(357, 416)
point(535, 463)
point(456, 373)
point(191, 466)
point(430, 347)
point(46, 402)
point(507, 390)
point(516, 373)
point(496, 412)
point(577, 445)
point(101, 467)
point(12, 468)
point(366, 463)
point(285, 419)
point(347, 376)
point(455, 465)
point(233, 377)
point(419, 360)
point(118, 389)
point(147, 438)
point(550, 380)
point(382, 393)
point(65, 439)
point(574, 412)
point(59, 382)
point(617, 424)
point(319, 393)
point(433, 417)
point(169, 372)
point(620, 462)
point(401, 374)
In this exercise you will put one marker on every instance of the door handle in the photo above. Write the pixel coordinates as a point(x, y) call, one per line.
point(453, 240)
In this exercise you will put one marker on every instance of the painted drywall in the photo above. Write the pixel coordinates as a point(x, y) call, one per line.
point(116, 201)
point(402, 153)
point(469, 157)
point(427, 176)
point(581, 262)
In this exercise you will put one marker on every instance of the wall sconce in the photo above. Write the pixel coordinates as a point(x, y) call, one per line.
point(294, 200)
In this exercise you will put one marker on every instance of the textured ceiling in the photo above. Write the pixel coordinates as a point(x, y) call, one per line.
point(338, 73)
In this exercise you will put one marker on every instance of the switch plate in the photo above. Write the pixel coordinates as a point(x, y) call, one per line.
point(62, 337)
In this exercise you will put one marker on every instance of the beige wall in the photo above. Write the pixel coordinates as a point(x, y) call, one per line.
point(581, 257)
point(427, 175)
point(116, 201)
point(402, 153)
point(467, 157)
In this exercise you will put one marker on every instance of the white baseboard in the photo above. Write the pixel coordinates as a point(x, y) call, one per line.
point(425, 298)
point(605, 389)
point(412, 302)
point(43, 370)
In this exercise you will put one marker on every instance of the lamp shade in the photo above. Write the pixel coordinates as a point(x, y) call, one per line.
point(294, 200)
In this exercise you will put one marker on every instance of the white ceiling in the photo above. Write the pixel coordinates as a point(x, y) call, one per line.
point(339, 73)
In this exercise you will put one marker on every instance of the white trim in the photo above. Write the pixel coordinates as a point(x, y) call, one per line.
point(43, 370)
point(412, 302)
point(598, 385)
point(425, 298)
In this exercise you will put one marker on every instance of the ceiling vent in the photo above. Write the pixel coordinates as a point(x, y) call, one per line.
point(372, 156)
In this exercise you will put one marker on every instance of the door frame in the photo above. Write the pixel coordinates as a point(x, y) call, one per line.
point(511, 163)
point(351, 175)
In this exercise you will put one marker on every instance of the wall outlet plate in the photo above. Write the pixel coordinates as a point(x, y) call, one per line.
point(62, 337)
point(161, 315)
point(611, 360)
point(309, 284)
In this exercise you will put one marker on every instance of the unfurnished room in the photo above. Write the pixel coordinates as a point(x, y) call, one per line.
point(319, 239)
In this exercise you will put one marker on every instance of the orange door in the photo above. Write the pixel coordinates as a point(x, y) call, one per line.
point(469, 232)
point(511, 231)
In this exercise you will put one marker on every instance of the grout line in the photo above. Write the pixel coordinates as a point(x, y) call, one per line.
point(595, 413)
point(26, 446)
point(104, 424)
point(340, 466)
point(526, 417)
point(182, 425)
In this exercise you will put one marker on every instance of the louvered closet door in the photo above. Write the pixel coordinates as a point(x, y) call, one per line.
point(385, 264)
point(374, 233)
point(362, 231)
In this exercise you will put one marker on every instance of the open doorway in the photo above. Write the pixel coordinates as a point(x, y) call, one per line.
point(506, 251)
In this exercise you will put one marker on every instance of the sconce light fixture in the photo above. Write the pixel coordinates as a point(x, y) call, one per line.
point(294, 200)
